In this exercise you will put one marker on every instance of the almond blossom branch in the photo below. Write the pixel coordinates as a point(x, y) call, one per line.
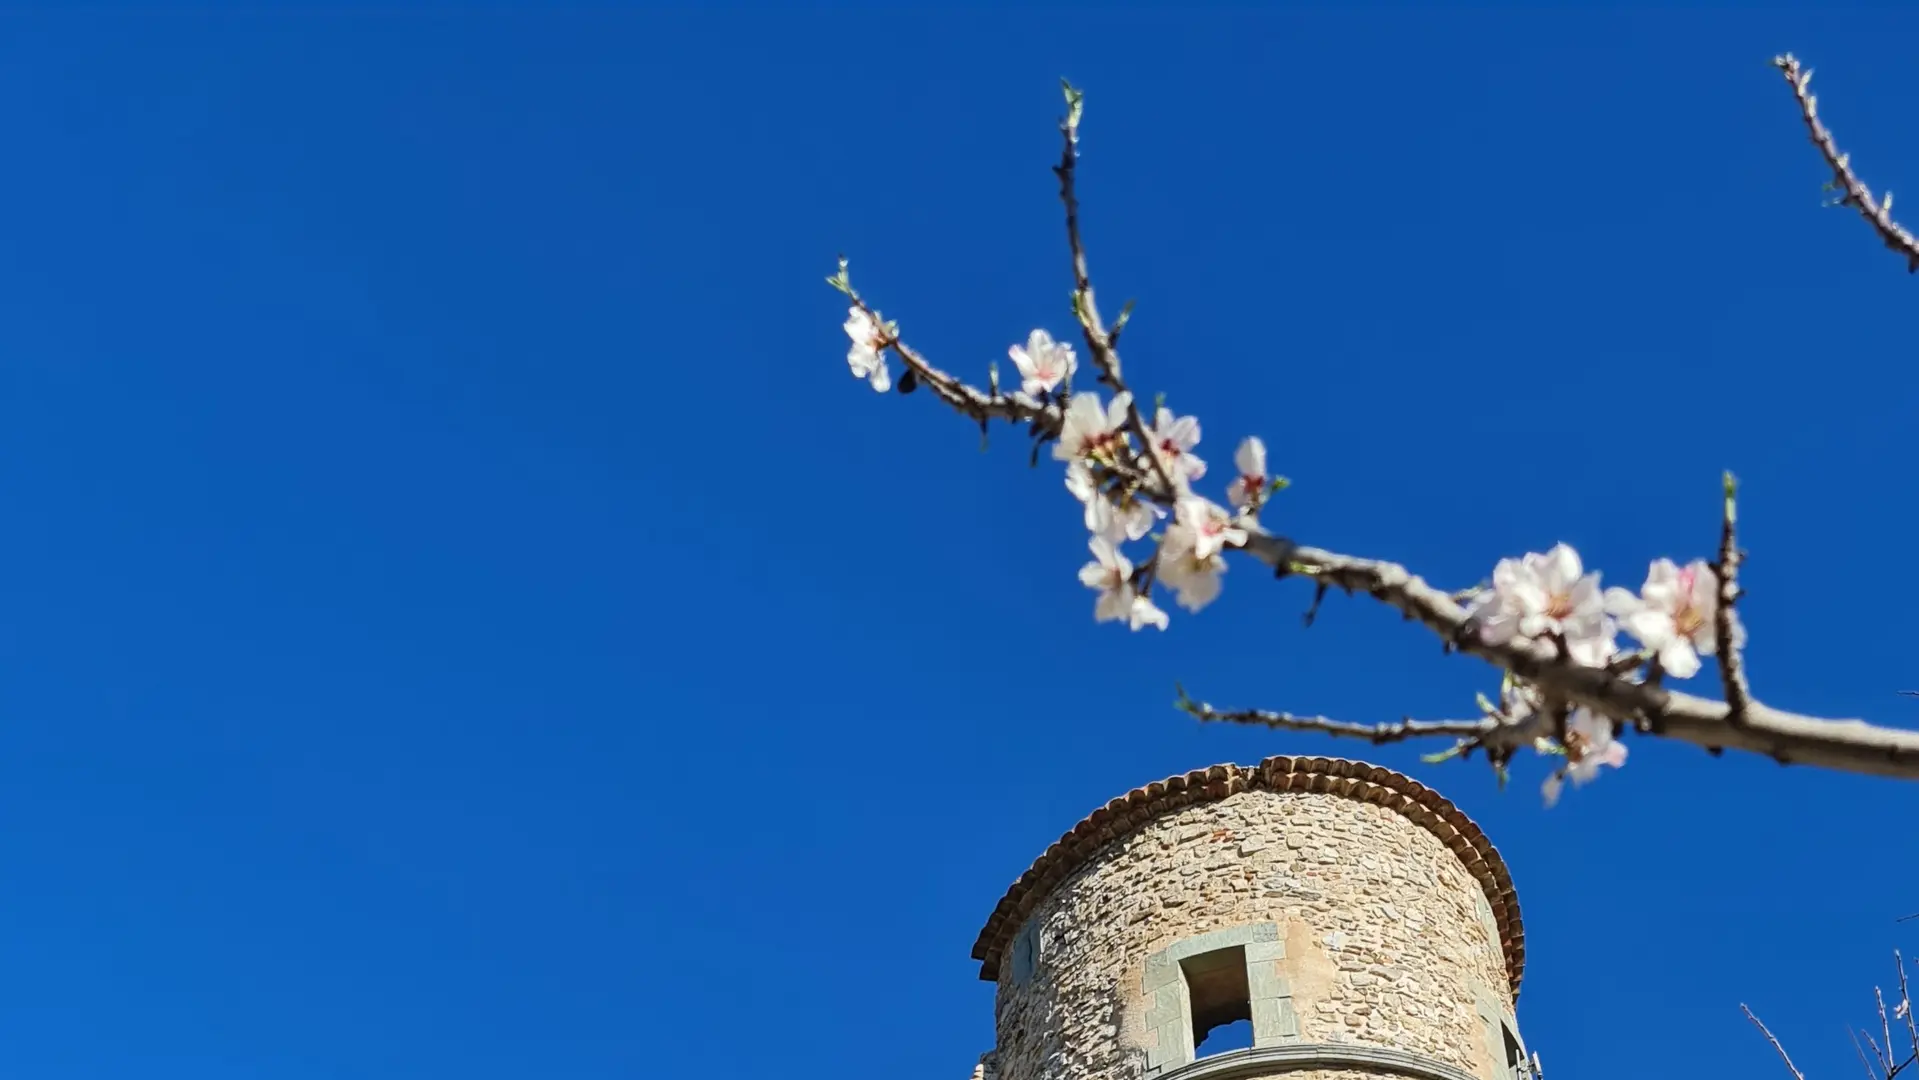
point(1099, 341)
point(1788, 738)
point(1732, 668)
point(1542, 621)
point(1018, 407)
point(1783, 1056)
point(1856, 193)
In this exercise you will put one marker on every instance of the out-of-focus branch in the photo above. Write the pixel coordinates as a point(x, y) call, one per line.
point(1783, 1056)
point(1855, 193)
point(1732, 667)
point(1881, 1064)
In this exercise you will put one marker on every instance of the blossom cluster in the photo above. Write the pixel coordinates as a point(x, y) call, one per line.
point(1549, 597)
point(1119, 465)
point(1105, 455)
point(1106, 465)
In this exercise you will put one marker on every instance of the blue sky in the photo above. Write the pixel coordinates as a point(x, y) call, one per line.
point(460, 617)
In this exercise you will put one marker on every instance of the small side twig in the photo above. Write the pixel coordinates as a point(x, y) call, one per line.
point(1099, 341)
point(1905, 1007)
point(1856, 194)
point(1406, 728)
point(1783, 1056)
point(1732, 670)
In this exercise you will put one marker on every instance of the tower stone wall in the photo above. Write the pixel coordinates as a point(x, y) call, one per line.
point(1363, 925)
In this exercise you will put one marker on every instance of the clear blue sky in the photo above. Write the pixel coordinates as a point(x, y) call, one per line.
point(459, 618)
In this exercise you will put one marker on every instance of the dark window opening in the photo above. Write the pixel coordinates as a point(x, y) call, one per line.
point(1516, 1065)
point(1025, 953)
point(1222, 1003)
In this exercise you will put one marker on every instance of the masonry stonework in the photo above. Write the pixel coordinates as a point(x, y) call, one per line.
point(1359, 920)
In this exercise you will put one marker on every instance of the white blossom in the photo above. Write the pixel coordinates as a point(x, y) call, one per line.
point(1111, 573)
point(1172, 439)
point(1194, 578)
point(865, 357)
point(1210, 524)
point(1543, 594)
point(1250, 485)
point(1589, 744)
point(1146, 613)
point(1673, 614)
point(1089, 431)
point(1103, 518)
point(1042, 362)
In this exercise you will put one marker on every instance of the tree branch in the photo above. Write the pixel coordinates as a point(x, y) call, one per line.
point(1856, 193)
point(1740, 723)
point(1099, 341)
point(1405, 729)
point(1783, 1056)
point(1788, 738)
point(1732, 668)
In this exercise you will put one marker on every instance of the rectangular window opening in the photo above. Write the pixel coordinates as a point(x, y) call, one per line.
point(1516, 1065)
point(1222, 1002)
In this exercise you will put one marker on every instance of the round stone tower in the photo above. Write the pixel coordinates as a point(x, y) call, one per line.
point(1357, 921)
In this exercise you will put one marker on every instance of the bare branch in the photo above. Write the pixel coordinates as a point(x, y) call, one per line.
point(1405, 729)
point(1783, 1056)
point(1732, 668)
point(1856, 194)
point(1905, 1009)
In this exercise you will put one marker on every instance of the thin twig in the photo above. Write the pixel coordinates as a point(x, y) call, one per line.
point(1905, 1001)
point(1017, 407)
point(1885, 1031)
point(1732, 669)
point(1098, 342)
point(1857, 194)
point(1783, 1056)
point(1407, 728)
point(1871, 1073)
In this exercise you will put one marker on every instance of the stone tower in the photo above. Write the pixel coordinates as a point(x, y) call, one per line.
point(1357, 919)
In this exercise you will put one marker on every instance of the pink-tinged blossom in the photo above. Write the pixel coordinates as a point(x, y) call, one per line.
point(1090, 432)
point(1673, 614)
point(1590, 745)
point(1042, 362)
point(1172, 439)
point(1194, 578)
point(1211, 526)
point(867, 357)
point(1249, 486)
point(1545, 594)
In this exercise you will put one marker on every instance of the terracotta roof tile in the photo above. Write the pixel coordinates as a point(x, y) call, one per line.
point(1355, 780)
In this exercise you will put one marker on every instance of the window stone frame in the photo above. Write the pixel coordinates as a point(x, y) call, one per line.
point(1169, 1009)
point(1495, 1019)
